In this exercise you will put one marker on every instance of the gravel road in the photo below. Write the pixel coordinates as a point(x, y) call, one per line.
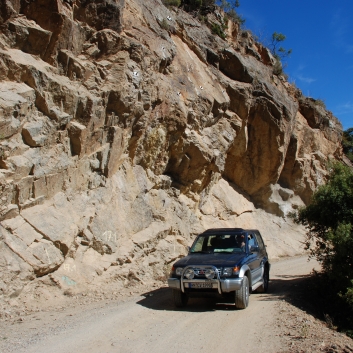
point(149, 323)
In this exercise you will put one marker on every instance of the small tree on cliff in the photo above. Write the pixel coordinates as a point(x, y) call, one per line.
point(277, 50)
point(229, 7)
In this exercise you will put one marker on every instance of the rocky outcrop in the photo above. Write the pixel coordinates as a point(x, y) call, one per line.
point(125, 134)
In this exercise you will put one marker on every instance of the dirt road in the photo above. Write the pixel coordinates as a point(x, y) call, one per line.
point(149, 323)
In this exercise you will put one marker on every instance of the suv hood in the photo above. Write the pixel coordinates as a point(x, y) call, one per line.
point(215, 259)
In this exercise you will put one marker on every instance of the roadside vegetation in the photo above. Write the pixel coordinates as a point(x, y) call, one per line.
point(329, 223)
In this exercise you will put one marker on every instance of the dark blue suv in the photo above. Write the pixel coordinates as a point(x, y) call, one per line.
point(224, 261)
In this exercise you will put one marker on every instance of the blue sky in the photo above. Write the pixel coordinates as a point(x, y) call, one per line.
point(320, 34)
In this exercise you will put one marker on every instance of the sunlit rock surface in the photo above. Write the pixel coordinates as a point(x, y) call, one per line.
point(125, 135)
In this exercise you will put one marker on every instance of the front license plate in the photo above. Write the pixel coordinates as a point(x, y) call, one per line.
point(200, 285)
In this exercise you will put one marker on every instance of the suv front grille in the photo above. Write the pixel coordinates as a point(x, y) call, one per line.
point(200, 272)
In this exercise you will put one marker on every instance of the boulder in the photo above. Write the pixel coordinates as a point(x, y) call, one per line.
point(36, 132)
point(49, 222)
point(16, 103)
point(77, 135)
point(101, 14)
point(8, 9)
point(19, 227)
point(49, 255)
point(20, 165)
point(29, 37)
point(235, 66)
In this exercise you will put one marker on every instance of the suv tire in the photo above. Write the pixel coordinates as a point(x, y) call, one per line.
point(242, 294)
point(180, 298)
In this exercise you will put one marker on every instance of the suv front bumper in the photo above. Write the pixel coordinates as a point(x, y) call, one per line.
point(222, 285)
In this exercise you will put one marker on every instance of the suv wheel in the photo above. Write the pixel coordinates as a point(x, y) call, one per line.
point(180, 298)
point(242, 295)
point(265, 280)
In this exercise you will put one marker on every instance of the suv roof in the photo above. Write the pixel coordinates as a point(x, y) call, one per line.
point(223, 230)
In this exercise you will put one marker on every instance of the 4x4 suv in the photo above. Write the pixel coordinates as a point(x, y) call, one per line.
point(225, 261)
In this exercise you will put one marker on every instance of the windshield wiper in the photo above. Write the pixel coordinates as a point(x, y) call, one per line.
point(202, 252)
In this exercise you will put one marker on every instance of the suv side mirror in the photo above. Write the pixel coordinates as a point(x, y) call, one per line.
point(254, 249)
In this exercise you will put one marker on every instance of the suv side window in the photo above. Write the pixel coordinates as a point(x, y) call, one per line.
point(251, 240)
point(260, 241)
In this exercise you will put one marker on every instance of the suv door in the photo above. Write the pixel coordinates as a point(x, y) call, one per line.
point(255, 256)
point(261, 244)
point(262, 252)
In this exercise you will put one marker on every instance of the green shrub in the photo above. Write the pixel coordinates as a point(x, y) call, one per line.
point(171, 2)
point(235, 17)
point(347, 143)
point(164, 24)
point(216, 29)
point(202, 18)
point(329, 222)
point(320, 103)
point(277, 68)
point(229, 8)
point(194, 4)
point(225, 23)
point(349, 295)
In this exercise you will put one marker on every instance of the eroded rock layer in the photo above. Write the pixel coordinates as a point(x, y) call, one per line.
point(127, 128)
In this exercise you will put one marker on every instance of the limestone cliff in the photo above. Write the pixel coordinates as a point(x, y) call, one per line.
point(127, 128)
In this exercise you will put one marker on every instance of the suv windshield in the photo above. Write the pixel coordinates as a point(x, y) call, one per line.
point(219, 243)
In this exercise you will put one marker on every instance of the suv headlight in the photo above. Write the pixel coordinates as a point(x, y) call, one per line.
point(189, 273)
point(178, 271)
point(228, 271)
point(209, 273)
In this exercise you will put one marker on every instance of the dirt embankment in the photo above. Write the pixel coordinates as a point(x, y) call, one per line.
point(145, 321)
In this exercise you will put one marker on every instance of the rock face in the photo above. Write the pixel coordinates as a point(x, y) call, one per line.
point(127, 128)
